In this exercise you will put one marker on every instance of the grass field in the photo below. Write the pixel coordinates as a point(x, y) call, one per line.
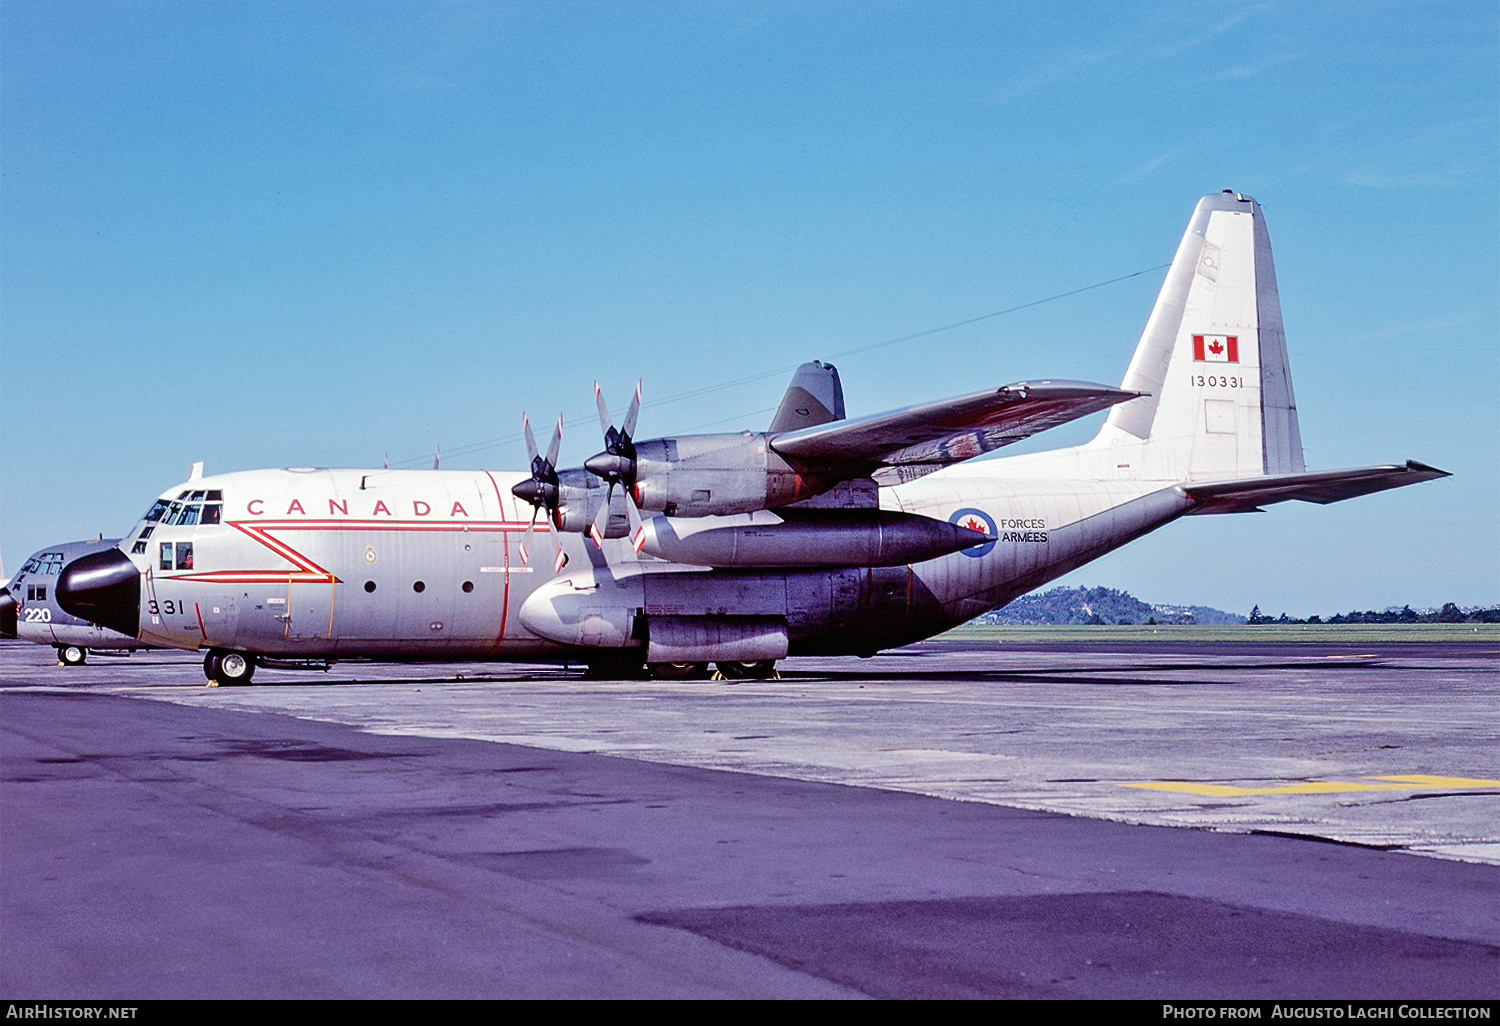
point(1354, 633)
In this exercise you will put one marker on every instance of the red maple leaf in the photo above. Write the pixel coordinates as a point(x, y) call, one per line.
point(974, 525)
point(1216, 347)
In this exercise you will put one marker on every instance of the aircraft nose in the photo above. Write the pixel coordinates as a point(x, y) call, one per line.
point(8, 607)
point(103, 588)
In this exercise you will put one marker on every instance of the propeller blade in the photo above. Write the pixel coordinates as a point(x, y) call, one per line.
point(552, 449)
point(526, 541)
point(628, 428)
point(601, 520)
point(606, 422)
point(531, 450)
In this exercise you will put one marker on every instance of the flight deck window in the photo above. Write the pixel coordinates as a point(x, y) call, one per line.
point(157, 511)
point(214, 495)
point(189, 515)
point(146, 531)
point(211, 513)
point(51, 564)
point(184, 555)
point(197, 497)
point(166, 555)
point(138, 549)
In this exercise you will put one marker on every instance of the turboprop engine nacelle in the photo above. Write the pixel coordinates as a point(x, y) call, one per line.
point(579, 496)
point(825, 538)
point(717, 475)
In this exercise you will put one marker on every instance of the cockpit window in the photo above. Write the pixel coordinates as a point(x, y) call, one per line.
point(211, 513)
point(156, 512)
point(183, 552)
point(184, 495)
point(46, 564)
point(215, 495)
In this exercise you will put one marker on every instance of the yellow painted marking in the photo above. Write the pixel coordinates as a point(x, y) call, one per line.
point(1404, 783)
point(1443, 781)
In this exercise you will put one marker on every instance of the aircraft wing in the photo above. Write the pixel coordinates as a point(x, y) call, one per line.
point(1249, 494)
point(903, 445)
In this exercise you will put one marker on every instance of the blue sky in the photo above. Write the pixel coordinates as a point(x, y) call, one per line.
point(273, 234)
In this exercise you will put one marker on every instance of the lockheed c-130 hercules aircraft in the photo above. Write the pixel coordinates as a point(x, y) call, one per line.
point(820, 536)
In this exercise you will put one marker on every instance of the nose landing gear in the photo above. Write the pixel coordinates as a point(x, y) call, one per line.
point(228, 669)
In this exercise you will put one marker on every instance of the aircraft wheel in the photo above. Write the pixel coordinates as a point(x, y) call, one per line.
point(72, 655)
point(679, 671)
point(233, 668)
point(764, 669)
point(211, 663)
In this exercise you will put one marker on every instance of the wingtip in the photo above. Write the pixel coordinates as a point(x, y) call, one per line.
point(1422, 468)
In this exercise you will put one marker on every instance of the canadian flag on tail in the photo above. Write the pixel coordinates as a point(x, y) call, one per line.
point(1216, 348)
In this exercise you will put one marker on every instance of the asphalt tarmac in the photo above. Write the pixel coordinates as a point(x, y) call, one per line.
point(951, 821)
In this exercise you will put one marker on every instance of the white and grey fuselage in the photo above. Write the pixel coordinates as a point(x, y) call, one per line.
point(429, 564)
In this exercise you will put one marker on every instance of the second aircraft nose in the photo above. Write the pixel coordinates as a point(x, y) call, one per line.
point(103, 588)
point(8, 607)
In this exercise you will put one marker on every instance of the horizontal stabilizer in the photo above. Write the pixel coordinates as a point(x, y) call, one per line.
point(1327, 486)
point(906, 444)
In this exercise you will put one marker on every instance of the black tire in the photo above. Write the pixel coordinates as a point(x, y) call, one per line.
point(72, 655)
point(234, 668)
point(211, 663)
point(764, 669)
point(679, 671)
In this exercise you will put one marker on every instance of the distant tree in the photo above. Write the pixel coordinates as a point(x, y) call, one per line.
point(1450, 613)
point(1255, 614)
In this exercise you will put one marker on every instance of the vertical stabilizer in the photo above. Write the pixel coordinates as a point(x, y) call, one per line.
point(1213, 360)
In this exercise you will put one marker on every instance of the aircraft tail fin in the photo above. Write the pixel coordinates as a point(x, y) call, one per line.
point(1213, 361)
point(815, 396)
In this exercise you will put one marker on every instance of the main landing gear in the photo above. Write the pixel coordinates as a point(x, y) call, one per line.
point(620, 666)
point(227, 669)
point(72, 655)
point(763, 669)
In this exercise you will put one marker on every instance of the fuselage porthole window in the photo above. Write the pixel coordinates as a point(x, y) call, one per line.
point(419, 586)
point(468, 586)
point(369, 586)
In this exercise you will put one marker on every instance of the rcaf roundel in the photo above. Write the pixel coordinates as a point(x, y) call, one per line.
point(1216, 348)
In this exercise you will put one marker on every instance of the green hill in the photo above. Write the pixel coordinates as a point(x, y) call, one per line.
point(1078, 606)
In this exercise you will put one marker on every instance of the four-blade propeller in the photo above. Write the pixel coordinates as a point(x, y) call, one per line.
point(616, 465)
point(541, 488)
